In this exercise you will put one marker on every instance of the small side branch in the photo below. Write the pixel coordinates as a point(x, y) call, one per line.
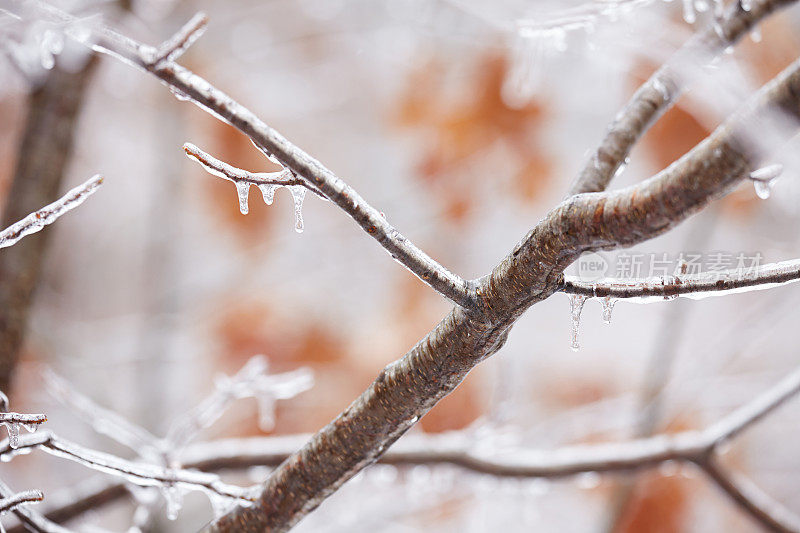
point(12, 502)
point(145, 475)
point(719, 282)
point(48, 214)
point(173, 48)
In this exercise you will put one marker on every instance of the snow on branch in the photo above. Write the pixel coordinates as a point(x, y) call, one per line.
point(690, 285)
point(48, 214)
point(267, 182)
point(188, 86)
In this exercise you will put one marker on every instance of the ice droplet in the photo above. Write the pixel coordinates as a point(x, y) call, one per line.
point(298, 194)
point(755, 34)
point(747, 5)
point(589, 480)
point(243, 190)
point(608, 307)
point(764, 179)
point(268, 192)
point(180, 95)
point(576, 302)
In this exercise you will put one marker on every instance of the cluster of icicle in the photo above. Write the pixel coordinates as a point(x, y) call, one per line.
point(252, 381)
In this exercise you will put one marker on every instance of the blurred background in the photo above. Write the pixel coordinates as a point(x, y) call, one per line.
point(464, 128)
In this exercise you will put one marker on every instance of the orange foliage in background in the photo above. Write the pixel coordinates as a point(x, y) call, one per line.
point(465, 126)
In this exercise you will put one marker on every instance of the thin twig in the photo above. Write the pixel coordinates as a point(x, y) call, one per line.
point(11, 502)
point(49, 213)
point(142, 474)
point(31, 520)
point(663, 89)
point(173, 48)
point(219, 168)
point(707, 283)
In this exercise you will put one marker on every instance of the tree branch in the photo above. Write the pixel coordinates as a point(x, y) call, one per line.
point(11, 502)
point(48, 214)
point(454, 448)
point(663, 89)
point(188, 85)
point(31, 520)
point(707, 283)
point(410, 387)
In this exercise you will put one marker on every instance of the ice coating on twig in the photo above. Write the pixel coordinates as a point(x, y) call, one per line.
point(12, 502)
point(267, 182)
point(13, 421)
point(48, 214)
point(252, 381)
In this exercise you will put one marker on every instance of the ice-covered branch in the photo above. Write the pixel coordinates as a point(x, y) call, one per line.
point(11, 502)
point(187, 85)
point(173, 48)
point(141, 474)
point(30, 520)
point(664, 88)
point(13, 421)
point(267, 182)
point(458, 449)
point(689, 285)
point(49, 213)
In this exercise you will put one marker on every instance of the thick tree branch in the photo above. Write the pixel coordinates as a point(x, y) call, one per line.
point(707, 283)
point(663, 89)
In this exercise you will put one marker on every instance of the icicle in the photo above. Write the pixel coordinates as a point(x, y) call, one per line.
point(173, 496)
point(747, 5)
point(268, 192)
point(764, 179)
point(576, 302)
point(622, 167)
point(608, 306)
point(13, 434)
point(755, 34)
point(298, 194)
point(243, 190)
point(689, 14)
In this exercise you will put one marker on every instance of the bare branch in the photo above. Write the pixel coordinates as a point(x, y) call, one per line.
point(267, 182)
point(763, 508)
point(189, 86)
point(11, 502)
point(49, 213)
point(708, 283)
point(32, 520)
point(174, 48)
point(142, 474)
point(663, 89)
